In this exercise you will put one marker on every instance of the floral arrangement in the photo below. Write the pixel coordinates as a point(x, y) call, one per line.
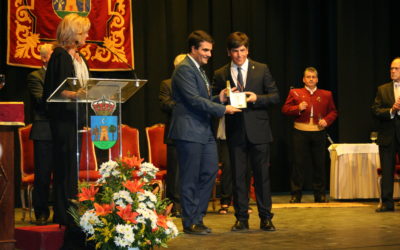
point(121, 210)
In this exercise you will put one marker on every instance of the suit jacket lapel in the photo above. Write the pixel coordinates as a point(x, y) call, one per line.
point(249, 78)
point(391, 93)
point(198, 75)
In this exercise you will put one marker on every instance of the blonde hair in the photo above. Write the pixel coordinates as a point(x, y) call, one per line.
point(71, 28)
point(178, 59)
point(45, 49)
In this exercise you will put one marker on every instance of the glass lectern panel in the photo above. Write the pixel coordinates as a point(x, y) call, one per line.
point(119, 90)
point(98, 113)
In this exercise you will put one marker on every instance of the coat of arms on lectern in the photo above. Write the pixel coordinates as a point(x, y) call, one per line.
point(104, 125)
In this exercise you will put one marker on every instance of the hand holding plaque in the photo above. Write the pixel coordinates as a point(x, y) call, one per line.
point(236, 99)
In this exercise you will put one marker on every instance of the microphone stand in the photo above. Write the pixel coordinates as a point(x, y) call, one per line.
point(329, 138)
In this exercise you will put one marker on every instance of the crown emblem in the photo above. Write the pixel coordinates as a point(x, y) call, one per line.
point(103, 107)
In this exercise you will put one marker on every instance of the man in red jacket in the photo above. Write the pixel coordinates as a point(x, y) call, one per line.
point(313, 110)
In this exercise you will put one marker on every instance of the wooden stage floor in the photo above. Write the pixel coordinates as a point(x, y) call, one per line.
point(335, 225)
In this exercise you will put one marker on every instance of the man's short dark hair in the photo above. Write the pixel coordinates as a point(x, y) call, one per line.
point(197, 37)
point(237, 39)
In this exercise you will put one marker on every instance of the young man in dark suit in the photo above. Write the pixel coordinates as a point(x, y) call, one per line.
point(386, 109)
point(42, 141)
point(248, 133)
point(191, 130)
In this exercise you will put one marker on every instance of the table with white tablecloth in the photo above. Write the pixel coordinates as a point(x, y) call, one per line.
point(354, 171)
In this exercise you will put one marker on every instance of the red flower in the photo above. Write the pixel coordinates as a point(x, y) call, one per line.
point(162, 221)
point(126, 214)
point(134, 186)
point(135, 174)
point(132, 162)
point(103, 210)
point(87, 194)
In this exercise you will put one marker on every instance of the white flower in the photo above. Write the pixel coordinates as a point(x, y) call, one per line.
point(150, 204)
point(88, 220)
point(122, 198)
point(149, 169)
point(172, 229)
point(147, 199)
point(147, 215)
point(121, 242)
point(106, 170)
point(142, 205)
point(125, 235)
point(115, 172)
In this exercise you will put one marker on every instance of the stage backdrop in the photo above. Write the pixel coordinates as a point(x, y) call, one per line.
point(31, 23)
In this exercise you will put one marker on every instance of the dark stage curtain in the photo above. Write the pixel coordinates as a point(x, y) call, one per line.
point(351, 43)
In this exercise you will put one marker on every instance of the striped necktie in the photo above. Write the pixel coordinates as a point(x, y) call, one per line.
point(240, 79)
point(203, 74)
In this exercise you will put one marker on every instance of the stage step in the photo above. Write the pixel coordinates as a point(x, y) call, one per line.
point(49, 237)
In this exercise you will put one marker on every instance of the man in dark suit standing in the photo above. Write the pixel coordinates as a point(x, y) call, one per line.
point(167, 104)
point(386, 109)
point(42, 141)
point(248, 133)
point(191, 129)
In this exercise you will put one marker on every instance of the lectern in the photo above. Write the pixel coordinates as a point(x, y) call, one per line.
point(98, 100)
point(11, 115)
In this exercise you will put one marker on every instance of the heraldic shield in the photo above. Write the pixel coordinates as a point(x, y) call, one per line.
point(104, 125)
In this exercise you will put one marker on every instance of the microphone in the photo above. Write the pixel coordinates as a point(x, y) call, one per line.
point(98, 43)
point(329, 138)
point(101, 45)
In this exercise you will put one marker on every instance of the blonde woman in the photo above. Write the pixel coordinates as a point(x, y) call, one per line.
point(66, 62)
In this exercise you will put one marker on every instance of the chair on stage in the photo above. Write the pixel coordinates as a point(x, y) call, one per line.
point(88, 169)
point(157, 150)
point(217, 183)
point(130, 144)
point(27, 169)
point(395, 180)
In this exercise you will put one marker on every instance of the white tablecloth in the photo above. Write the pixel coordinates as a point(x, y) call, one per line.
point(354, 171)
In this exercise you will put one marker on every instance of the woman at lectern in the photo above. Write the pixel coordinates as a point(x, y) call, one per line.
point(66, 61)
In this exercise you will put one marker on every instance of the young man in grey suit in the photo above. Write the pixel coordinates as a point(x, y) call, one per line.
point(248, 133)
point(192, 133)
point(42, 141)
point(386, 109)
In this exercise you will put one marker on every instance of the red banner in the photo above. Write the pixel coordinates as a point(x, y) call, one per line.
point(12, 113)
point(34, 22)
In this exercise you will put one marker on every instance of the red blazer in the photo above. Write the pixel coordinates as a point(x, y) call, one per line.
point(321, 100)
